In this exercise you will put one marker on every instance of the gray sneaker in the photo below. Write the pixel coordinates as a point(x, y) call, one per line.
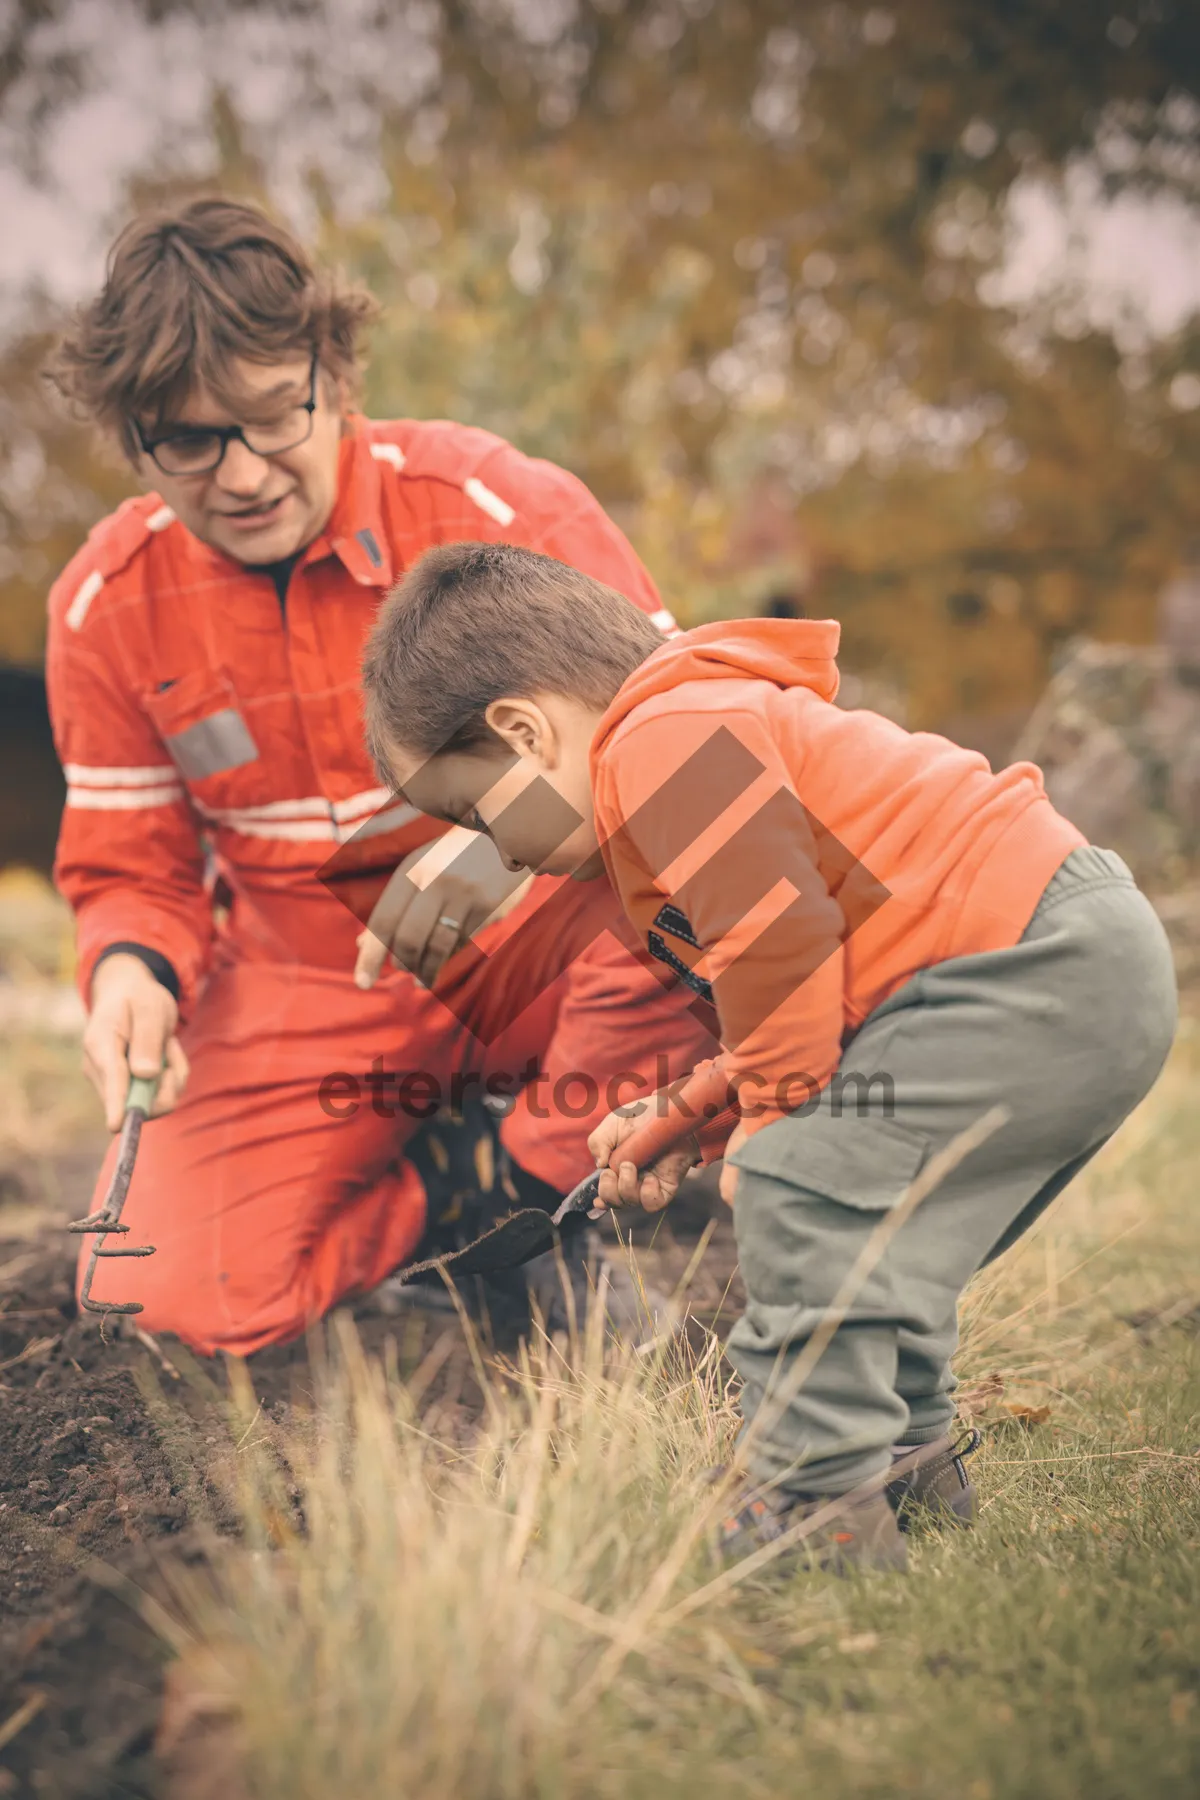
point(849, 1534)
point(933, 1480)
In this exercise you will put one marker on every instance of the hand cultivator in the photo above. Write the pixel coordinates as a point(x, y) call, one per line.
point(107, 1220)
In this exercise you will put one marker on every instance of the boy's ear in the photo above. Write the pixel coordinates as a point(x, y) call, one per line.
point(523, 726)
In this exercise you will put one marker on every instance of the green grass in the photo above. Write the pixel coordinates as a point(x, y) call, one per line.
point(527, 1614)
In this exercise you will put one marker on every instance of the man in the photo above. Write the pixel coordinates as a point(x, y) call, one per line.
point(203, 673)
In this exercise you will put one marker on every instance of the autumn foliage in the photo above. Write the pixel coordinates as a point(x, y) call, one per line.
point(743, 268)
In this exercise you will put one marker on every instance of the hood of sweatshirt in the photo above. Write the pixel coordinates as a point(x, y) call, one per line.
point(789, 653)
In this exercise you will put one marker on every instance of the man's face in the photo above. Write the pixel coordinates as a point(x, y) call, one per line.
point(257, 508)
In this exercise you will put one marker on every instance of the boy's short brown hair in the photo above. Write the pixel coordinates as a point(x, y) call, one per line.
point(188, 291)
point(473, 623)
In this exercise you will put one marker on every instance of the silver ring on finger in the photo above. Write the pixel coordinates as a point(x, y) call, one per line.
point(454, 925)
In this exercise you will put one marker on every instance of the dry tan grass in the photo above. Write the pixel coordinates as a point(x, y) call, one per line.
point(36, 937)
point(471, 1622)
point(470, 1591)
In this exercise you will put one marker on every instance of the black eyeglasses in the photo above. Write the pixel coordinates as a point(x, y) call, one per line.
point(198, 450)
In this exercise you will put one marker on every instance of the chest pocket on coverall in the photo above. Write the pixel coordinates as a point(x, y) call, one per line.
point(205, 734)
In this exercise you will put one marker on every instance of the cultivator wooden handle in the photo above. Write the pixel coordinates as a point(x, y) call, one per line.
point(138, 1105)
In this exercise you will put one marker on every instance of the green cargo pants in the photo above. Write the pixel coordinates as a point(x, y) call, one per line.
point(1069, 1029)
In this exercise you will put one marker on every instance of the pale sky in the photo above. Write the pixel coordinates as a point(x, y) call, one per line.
point(1129, 265)
point(148, 104)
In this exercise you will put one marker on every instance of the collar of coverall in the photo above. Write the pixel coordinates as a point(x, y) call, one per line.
point(355, 531)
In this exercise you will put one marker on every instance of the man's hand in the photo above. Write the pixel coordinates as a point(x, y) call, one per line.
point(652, 1188)
point(131, 1031)
point(422, 924)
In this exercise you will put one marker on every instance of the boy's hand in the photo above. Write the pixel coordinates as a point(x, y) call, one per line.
point(131, 1031)
point(423, 925)
point(652, 1188)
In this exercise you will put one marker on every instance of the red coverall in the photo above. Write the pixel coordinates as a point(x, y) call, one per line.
point(207, 733)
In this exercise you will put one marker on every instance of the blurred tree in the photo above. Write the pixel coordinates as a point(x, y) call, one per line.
point(704, 254)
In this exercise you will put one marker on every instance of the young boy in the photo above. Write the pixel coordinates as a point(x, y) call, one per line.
point(894, 939)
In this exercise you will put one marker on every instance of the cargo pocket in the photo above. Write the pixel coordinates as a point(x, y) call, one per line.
point(810, 1192)
point(866, 1162)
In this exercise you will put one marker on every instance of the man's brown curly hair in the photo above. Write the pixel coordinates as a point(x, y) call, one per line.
point(188, 291)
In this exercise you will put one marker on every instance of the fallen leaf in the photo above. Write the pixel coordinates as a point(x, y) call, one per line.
point(857, 1646)
point(1025, 1414)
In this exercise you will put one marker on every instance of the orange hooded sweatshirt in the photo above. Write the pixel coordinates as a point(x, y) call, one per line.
point(796, 863)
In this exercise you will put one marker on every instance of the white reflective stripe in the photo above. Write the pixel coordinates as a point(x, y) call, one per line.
point(389, 453)
point(313, 819)
point(312, 806)
point(663, 620)
point(295, 831)
point(84, 775)
point(160, 519)
point(391, 820)
point(358, 804)
point(487, 502)
point(121, 799)
point(321, 831)
point(89, 587)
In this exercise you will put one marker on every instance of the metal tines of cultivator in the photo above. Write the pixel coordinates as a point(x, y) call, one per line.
point(107, 1221)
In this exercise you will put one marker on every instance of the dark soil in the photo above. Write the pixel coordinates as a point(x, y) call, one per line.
point(111, 1471)
point(111, 1465)
point(82, 1475)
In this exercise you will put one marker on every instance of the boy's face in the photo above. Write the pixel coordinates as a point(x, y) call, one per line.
point(254, 508)
point(531, 795)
